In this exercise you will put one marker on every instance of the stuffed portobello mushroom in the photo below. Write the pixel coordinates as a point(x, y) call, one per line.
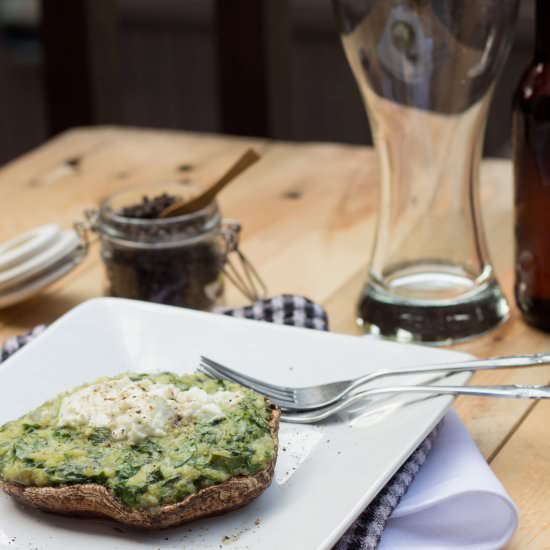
point(149, 450)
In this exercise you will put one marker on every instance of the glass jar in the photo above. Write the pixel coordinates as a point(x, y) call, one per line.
point(176, 260)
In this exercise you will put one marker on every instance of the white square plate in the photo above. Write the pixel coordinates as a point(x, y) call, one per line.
point(325, 474)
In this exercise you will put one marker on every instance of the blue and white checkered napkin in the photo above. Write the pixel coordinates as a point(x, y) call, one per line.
point(294, 310)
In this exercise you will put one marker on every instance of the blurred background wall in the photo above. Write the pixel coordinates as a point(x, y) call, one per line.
point(170, 70)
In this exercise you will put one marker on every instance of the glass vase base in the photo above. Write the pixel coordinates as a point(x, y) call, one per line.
point(431, 321)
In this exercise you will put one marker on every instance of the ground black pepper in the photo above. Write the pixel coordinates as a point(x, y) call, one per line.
point(148, 208)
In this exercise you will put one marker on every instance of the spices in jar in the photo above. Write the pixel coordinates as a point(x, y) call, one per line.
point(175, 260)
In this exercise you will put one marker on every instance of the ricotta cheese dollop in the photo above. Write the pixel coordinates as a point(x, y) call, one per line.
point(141, 409)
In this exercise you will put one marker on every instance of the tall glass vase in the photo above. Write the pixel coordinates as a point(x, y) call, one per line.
point(427, 71)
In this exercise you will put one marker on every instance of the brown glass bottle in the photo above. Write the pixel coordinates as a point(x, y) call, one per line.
point(531, 140)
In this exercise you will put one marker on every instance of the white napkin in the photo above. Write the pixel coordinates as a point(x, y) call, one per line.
point(455, 501)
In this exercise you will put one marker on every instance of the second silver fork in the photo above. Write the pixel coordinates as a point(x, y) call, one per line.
point(315, 397)
point(510, 392)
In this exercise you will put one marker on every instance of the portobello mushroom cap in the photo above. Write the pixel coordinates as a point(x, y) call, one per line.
point(93, 500)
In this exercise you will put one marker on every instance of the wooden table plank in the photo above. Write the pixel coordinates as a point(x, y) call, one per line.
point(308, 212)
point(522, 466)
point(314, 201)
point(311, 192)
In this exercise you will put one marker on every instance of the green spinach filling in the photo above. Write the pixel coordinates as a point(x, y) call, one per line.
point(36, 451)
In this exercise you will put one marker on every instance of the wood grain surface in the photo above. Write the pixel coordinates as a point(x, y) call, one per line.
point(308, 212)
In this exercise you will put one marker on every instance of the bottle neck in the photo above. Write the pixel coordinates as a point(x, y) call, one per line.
point(542, 31)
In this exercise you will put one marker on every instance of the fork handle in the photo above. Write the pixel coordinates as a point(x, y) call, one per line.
point(491, 363)
point(512, 391)
point(524, 392)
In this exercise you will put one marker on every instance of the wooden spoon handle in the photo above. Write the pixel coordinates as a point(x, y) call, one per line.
point(247, 159)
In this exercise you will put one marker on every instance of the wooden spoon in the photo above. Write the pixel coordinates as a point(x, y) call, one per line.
point(247, 159)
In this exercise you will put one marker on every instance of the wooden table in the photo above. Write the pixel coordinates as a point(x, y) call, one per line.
point(308, 212)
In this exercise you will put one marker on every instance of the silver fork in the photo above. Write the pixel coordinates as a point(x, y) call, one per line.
point(524, 392)
point(315, 397)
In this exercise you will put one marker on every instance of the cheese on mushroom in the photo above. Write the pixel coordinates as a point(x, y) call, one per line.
point(141, 409)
